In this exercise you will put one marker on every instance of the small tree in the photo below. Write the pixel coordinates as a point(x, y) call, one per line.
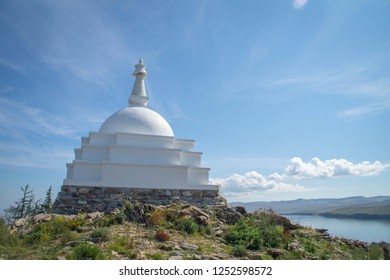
point(48, 202)
point(24, 207)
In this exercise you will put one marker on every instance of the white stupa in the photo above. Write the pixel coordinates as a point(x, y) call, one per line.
point(136, 148)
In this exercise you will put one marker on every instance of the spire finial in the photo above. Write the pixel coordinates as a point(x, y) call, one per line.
point(138, 97)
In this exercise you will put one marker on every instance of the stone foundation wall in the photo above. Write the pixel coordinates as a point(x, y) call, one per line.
point(76, 199)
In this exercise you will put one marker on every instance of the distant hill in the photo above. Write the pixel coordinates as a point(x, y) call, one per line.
point(356, 207)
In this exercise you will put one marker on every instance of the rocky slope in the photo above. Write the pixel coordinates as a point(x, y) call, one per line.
point(176, 231)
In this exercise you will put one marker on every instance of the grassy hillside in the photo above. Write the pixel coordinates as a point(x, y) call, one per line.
point(380, 208)
point(177, 231)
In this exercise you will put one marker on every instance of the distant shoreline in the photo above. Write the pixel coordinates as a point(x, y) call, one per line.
point(358, 207)
point(357, 216)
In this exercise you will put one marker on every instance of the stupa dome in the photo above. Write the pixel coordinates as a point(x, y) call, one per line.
point(137, 120)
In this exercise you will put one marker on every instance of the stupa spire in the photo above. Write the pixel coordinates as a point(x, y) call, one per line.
point(138, 97)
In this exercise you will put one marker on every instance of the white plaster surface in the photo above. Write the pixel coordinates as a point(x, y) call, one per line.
point(137, 120)
point(135, 160)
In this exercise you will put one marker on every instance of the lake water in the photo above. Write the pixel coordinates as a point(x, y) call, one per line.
point(364, 230)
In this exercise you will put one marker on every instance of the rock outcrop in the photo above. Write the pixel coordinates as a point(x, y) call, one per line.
point(148, 231)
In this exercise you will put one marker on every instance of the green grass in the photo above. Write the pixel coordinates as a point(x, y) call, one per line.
point(102, 234)
point(156, 256)
point(187, 225)
point(124, 246)
point(375, 252)
point(239, 251)
point(12, 248)
point(86, 251)
point(254, 234)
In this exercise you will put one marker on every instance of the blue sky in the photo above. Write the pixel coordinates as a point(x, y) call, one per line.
point(286, 99)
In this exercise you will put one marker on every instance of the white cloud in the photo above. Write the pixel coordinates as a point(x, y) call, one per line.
point(299, 4)
point(253, 183)
point(298, 169)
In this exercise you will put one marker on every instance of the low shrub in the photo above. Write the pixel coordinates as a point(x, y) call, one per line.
point(124, 246)
point(86, 251)
point(253, 235)
point(310, 247)
point(127, 208)
point(102, 234)
point(109, 220)
point(73, 224)
point(162, 235)
point(46, 232)
point(272, 236)
point(239, 251)
point(53, 229)
point(187, 225)
point(156, 218)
